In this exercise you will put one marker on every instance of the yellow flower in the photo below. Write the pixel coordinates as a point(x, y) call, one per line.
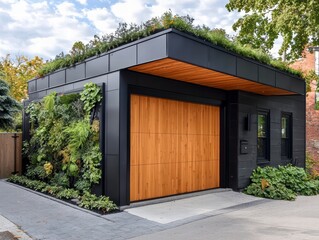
point(48, 168)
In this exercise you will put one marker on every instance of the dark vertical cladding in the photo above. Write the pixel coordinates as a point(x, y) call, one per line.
point(232, 134)
point(249, 104)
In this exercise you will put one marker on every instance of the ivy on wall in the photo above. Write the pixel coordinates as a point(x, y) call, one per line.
point(64, 139)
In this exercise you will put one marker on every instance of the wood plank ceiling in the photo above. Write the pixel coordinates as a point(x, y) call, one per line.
point(181, 71)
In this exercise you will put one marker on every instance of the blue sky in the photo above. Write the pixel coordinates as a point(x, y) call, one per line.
point(45, 28)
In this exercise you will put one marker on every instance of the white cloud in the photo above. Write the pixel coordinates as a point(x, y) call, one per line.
point(102, 19)
point(83, 2)
point(67, 9)
point(47, 27)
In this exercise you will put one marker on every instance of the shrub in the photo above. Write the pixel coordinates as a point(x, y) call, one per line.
point(87, 200)
point(102, 203)
point(284, 182)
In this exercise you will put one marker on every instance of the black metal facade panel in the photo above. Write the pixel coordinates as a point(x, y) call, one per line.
point(283, 81)
point(75, 73)
point(112, 121)
point(151, 50)
point(32, 86)
point(123, 58)
point(112, 182)
point(266, 76)
point(222, 61)
point(97, 66)
point(187, 50)
point(113, 81)
point(298, 86)
point(57, 78)
point(42, 83)
point(96, 80)
point(247, 69)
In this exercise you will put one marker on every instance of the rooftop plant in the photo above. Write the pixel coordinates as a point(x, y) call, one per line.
point(126, 33)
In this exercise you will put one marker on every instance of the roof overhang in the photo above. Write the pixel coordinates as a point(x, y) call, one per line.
point(181, 71)
point(179, 56)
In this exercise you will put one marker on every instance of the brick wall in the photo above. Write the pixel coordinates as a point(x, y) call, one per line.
point(312, 116)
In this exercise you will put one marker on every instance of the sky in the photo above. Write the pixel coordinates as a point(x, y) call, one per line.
point(45, 28)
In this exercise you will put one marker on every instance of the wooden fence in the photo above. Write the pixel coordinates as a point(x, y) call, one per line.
point(10, 154)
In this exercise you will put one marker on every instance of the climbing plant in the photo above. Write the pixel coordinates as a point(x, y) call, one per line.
point(64, 145)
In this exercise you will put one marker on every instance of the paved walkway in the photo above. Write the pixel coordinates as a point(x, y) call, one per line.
point(44, 218)
point(222, 215)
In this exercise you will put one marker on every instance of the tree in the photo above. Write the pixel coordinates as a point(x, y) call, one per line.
point(17, 72)
point(8, 106)
point(297, 22)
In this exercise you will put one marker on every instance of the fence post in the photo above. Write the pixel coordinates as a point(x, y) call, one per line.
point(15, 136)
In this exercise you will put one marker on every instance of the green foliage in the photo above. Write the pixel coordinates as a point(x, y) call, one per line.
point(82, 185)
point(91, 165)
point(67, 193)
point(311, 167)
point(90, 96)
point(87, 200)
point(102, 203)
point(265, 21)
point(69, 98)
point(8, 106)
point(284, 182)
point(60, 179)
point(64, 145)
point(49, 102)
point(126, 33)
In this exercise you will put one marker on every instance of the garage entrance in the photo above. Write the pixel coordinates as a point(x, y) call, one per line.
point(174, 147)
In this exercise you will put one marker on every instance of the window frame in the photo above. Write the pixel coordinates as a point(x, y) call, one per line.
point(266, 157)
point(289, 138)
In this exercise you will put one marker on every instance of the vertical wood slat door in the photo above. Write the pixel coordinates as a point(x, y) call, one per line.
point(174, 147)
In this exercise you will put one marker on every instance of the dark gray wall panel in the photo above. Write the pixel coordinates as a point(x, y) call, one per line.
point(247, 69)
point(57, 78)
point(222, 61)
point(250, 103)
point(97, 80)
point(57, 90)
point(32, 87)
point(283, 81)
point(113, 81)
point(187, 50)
point(97, 66)
point(42, 83)
point(33, 96)
point(75, 73)
point(123, 58)
point(112, 184)
point(298, 86)
point(266, 76)
point(42, 94)
point(151, 50)
point(112, 122)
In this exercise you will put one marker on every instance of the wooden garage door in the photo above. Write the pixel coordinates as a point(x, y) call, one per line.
point(174, 147)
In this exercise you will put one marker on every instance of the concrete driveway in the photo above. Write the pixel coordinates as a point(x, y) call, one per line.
point(272, 220)
point(219, 215)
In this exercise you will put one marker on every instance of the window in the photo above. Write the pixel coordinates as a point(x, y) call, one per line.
point(286, 136)
point(263, 136)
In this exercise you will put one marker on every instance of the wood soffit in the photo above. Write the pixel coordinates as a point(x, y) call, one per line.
point(181, 71)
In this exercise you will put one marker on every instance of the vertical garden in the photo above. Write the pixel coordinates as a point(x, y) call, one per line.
point(63, 153)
